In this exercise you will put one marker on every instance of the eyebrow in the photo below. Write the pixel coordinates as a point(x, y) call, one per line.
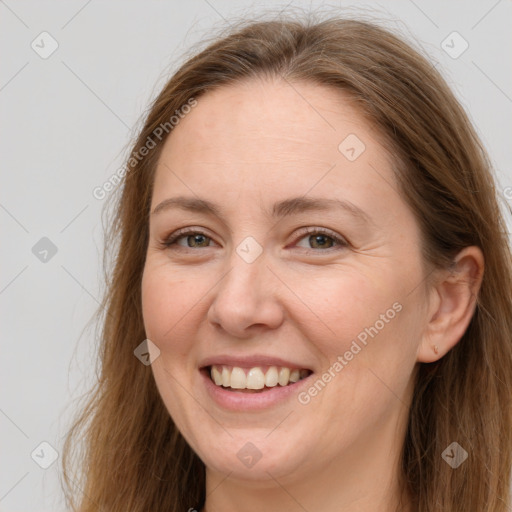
point(287, 207)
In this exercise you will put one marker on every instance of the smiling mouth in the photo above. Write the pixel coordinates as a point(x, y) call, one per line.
point(255, 380)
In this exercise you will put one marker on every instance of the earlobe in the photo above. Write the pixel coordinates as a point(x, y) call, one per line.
point(454, 304)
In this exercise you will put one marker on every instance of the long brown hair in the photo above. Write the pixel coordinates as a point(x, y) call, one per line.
point(124, 452)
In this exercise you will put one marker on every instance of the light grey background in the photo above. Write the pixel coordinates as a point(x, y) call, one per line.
point(66, 124)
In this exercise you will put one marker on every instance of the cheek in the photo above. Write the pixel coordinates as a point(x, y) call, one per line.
point(369, 322)
point(169, 301)
point(335, 308)
point(170, 306)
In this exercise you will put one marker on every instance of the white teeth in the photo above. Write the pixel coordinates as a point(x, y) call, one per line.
point(294, 375)
point(216, 376)
point(237, 378)
point(226, 377)
point(284, 376)
point(271, 377)
point(255, 379)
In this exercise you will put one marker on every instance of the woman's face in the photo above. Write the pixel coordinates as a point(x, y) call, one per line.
point(290, 254)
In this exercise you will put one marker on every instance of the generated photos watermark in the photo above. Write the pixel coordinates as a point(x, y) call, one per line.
point(305, 397)
point(102, 191)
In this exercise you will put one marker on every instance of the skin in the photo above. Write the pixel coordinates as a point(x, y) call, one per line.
point(245, 147)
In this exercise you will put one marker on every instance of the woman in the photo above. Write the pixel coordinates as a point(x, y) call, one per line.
point(314, 274)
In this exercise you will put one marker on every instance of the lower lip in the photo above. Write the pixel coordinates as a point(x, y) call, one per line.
point(240, 401)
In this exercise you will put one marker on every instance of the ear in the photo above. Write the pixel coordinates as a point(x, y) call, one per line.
point(452, 304)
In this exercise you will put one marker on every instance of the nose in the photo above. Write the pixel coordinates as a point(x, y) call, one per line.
point(246, 300)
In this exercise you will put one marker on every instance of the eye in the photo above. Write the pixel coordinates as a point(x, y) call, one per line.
point(317, 239)
point(321, 239)
point(188, 239)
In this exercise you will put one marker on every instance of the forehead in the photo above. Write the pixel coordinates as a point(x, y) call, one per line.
point(272, 138)
point(267, 117)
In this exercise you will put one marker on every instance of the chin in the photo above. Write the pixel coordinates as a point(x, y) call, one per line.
point(252, 457)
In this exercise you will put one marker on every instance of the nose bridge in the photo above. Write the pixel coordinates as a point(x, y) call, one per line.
point(245, 296)
point(246, 281)
point(248, 265)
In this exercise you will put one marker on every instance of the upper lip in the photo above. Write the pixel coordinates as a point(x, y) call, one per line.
point(251, 361)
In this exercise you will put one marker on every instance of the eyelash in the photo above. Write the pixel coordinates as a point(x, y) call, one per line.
point(340, 242)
